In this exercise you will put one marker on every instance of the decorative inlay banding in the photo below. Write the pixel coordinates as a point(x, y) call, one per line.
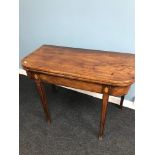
point(106, 89)
point(35, 76)
point(25, 62)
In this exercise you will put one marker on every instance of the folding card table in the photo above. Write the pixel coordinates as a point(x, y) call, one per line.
point(105, 72)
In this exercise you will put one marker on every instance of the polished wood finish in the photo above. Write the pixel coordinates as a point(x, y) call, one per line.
point(89, 86)
point(104, 67)
point(43, 98)
point(104, 72)
point(103, 113)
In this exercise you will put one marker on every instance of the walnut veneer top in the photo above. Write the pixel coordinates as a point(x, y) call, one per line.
point(103, 67)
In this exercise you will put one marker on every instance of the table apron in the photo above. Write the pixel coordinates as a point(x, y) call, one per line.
point(78, 84)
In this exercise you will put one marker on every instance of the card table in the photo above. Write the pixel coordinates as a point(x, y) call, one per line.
point(105, 72)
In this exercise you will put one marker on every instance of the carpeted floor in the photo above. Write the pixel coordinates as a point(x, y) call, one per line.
point(74, 128)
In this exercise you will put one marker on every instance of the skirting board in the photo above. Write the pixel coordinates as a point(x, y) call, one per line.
point(112, 99)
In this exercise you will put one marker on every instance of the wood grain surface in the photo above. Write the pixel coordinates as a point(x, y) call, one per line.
point(109, 73)
point(102, 67)
point(89, 65)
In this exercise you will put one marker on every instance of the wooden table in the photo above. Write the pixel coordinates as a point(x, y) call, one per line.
point(104, 72)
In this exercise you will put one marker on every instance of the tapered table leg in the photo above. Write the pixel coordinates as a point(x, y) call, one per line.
point(43, 98)
point(121, 102)
point(103, 115)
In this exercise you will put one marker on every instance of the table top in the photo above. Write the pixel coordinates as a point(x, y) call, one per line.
point(103, 67)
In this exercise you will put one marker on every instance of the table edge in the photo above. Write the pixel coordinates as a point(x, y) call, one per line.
point(79, 78)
